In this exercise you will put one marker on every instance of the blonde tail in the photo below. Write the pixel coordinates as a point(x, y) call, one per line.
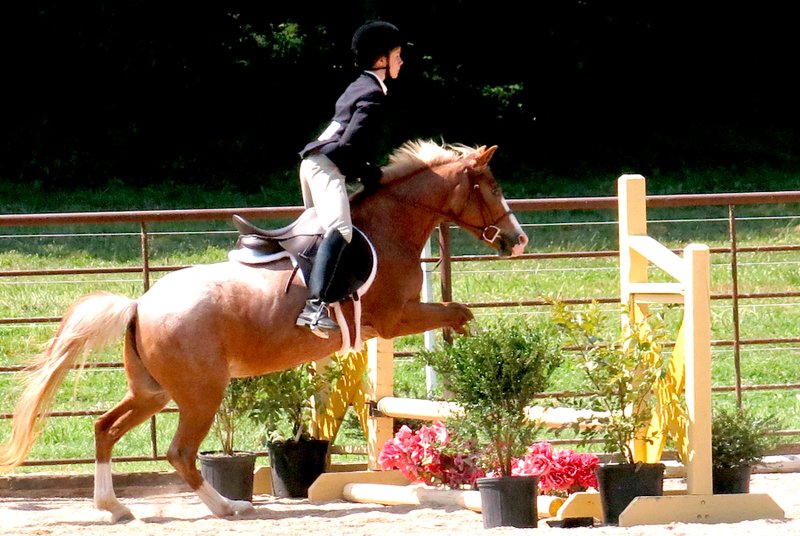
point(91, 323)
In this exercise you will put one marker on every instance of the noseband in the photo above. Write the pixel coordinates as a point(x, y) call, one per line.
point(490, 231)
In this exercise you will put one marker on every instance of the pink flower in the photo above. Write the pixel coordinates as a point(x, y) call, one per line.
point(586, 477)
point(420, 456)
point(559, 473)
point(427, 455)
point(555, 481)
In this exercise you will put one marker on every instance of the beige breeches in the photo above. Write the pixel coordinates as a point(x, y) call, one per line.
point(323, 187)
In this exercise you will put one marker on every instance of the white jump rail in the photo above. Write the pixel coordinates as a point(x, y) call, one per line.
point(415, 408)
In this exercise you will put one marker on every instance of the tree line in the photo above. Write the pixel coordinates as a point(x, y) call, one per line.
point(147, 91)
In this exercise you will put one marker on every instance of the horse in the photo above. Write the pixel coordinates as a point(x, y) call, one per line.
point(198, 327)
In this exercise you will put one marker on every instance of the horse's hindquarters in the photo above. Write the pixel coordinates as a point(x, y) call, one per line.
point(226, 319)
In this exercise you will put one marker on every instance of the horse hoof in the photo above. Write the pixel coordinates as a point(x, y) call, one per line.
point(121, 515)
point(241, 507)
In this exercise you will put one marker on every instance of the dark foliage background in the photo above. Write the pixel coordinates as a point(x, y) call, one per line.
point(145, 91)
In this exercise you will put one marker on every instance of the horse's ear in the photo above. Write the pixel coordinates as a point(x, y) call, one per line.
point(486, 154)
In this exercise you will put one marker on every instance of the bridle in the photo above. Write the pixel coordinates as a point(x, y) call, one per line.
point(489, 231)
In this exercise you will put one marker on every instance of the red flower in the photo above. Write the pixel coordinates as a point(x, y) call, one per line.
point(420, 456)
point(560, 473)
point(426, 455)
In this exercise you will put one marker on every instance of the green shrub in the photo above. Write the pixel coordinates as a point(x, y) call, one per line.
point(739, 438)
point(621, 372)
point(493, 376)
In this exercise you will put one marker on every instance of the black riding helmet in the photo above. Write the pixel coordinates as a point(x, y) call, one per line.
point(373, 40)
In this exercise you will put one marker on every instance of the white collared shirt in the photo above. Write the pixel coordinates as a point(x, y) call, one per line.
point(378, 78)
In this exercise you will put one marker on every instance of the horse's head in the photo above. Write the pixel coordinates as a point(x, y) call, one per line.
point(452, 183)
point(478, 206)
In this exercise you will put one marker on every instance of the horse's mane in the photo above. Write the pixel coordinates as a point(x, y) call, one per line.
point(413, 156)
point(417, 154)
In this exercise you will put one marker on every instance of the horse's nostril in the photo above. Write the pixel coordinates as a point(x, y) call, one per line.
point(519, 247)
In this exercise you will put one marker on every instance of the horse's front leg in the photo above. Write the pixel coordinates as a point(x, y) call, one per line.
point(418, 317)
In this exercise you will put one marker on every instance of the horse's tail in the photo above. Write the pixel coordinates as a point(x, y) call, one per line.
point(90, 324)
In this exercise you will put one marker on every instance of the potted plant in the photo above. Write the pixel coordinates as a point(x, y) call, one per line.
point(227, 470)
point(493, 376)
point(621, 373)
point(282, 407)
point(739, 440)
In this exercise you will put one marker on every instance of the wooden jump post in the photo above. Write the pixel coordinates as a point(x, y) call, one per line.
point(637, 251)
point(690, 372)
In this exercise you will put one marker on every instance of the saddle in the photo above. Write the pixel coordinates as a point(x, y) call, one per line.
point(300, 241)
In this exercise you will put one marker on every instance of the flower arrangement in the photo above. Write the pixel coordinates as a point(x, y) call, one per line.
point(560, 472)
point(429, 455)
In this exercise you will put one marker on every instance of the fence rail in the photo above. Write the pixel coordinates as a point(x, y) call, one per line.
point(144, 219)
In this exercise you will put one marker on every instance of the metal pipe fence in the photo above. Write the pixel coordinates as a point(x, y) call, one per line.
point(730, 294)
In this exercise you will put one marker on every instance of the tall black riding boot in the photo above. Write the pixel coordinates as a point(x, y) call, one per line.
point(326, 264)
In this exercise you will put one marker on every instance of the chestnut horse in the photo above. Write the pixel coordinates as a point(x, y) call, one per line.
point(197, 328)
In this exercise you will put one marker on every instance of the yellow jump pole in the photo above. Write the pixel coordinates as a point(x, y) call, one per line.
point(697, 333)
point(693, 290)
point(380, 384)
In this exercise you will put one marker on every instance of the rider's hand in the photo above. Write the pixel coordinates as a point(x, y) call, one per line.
point(371, 177)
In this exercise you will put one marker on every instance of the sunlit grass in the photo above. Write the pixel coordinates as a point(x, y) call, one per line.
point(529, 280)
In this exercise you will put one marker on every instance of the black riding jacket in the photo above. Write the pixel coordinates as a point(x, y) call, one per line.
point(351, 140)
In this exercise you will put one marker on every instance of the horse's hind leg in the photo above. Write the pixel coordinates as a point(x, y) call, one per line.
point(108, 429)
point(144, 398)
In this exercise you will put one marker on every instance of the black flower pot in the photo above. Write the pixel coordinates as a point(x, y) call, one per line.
point(230, 475)
point(731, 479)
point(509, 501)
point(295, 465)
point(620, 483)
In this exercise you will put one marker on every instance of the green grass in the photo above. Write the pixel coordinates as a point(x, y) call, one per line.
point(114, 245)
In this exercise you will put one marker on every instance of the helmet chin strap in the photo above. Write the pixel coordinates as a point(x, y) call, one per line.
point(388, 73)
point(386, 68)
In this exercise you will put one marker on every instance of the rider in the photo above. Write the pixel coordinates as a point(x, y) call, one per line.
point(346, 149)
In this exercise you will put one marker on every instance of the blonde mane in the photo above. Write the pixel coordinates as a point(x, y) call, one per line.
point(415, 155)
